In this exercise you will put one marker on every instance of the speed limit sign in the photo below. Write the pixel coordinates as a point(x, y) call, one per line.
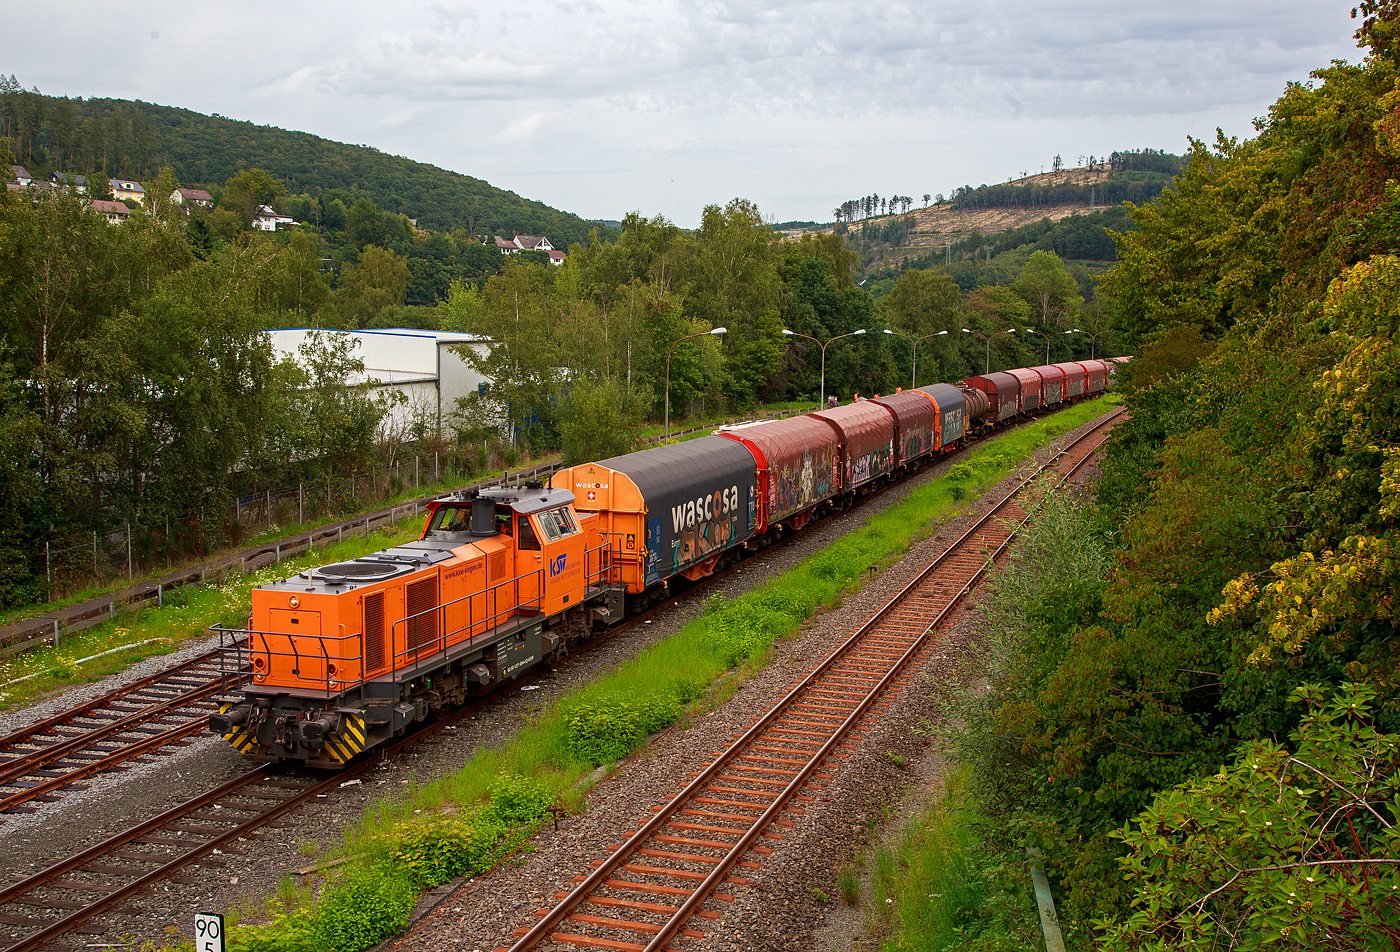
point(208, 932)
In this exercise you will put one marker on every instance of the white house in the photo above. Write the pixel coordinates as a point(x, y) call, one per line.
point(65, 181)
point(523, 243)
point(192, 196)
point(268, 220)
point(22, 176)
point(422, 366)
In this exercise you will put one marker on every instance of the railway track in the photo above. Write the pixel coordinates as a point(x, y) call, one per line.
point(677, 869)
point(67, 895)
point(139, 719)
point(135, 720)
point(145, 717)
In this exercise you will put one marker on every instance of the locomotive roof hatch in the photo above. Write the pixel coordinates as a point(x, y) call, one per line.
point(526, 499)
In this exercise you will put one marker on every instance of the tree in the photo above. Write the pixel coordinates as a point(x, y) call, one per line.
point(247, 191)
point(181, 375)
point(1048, 288)
point(924, 303)
point(599, 420)
point(734, 284)
point(1281, 849)
point(522, 362)
point(379, 279)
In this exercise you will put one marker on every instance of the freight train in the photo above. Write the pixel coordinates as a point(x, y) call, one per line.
point(337, 660)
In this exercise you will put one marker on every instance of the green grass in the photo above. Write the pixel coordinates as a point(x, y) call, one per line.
point(186, 614)
point(938, 886)
point(496, 801)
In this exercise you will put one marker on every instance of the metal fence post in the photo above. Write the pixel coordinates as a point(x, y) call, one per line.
point(48, 569)
point(300, 505)
point(129, 572)
point(94, 552)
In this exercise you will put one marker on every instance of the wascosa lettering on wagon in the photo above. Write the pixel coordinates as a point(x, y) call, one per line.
point(712, 506)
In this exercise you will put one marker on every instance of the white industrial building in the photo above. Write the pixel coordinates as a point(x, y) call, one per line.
point(423, 366)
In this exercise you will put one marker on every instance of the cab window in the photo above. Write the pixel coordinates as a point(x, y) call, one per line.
point(450, 519)
point(557, 523)
point(525, 537)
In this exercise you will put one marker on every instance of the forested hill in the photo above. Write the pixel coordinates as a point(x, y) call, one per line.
point(132, 139)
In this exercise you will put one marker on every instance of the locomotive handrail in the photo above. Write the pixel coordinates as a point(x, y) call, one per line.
point(330, 685)
point(492, 619)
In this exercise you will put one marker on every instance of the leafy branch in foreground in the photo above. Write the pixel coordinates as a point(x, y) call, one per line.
point(1279, 850)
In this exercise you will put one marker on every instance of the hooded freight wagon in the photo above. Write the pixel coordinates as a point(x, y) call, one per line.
point(952, 414)
point(915, 422)
point(1003, 394)
point(799, 466)
point(672, 510)
point(866, 434)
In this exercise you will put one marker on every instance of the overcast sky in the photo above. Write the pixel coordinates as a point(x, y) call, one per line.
point(599, 107)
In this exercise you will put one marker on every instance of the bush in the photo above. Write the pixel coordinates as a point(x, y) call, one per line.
point(516, 801)
point(363, 907)
point(606, 728)
point(437, 849)
point(744, 629)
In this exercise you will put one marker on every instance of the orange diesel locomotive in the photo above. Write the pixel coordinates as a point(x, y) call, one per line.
point(341, 658)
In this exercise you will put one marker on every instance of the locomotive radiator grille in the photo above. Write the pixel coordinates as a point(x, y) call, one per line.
point(374, 632)
point(422, 619)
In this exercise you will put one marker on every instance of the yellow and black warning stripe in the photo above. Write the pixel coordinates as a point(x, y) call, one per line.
point(243, 737)
point(349, 741)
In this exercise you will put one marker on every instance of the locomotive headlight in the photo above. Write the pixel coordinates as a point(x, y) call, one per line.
point(294, 601)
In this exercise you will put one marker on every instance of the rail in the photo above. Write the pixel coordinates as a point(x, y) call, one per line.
point(784, 749)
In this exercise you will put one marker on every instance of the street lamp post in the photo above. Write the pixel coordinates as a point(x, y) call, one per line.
point(987, 362)
point(789, 333)
point(1030, 330)
point(914, 374)
point(1093, 339)
point(717, 330)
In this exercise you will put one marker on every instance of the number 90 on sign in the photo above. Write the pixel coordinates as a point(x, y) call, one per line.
point(208, 932)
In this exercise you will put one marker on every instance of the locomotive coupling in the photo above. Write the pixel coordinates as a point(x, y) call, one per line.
point(314, 732)
point(223, 722)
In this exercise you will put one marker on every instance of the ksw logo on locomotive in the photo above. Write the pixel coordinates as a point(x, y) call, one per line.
point(705, 508)
point(556, 565)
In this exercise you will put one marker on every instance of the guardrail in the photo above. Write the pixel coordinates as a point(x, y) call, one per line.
point(51, 627)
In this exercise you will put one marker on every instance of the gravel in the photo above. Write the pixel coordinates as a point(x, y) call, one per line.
point(781, 910)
